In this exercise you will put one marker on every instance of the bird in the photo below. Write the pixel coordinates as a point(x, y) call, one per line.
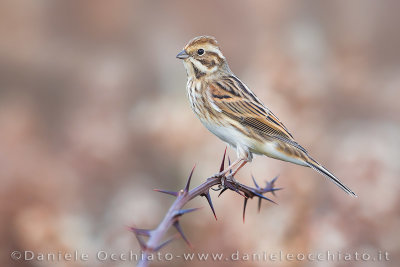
point(232, 112)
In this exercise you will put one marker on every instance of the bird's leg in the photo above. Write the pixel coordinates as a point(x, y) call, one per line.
point(245, 156)
point(230, 167)
point(238, 168)
point(233, 173)
point(222, 175)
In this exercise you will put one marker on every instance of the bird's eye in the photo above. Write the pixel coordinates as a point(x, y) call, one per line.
point(200, 51)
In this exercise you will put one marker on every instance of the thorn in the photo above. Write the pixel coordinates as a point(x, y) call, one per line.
point(233, 188)
point(207, 195)
point(263, 197)
point(223, 190)
point(172, 193)
point(270, 186)
point(237, 191)
point(181, 212)
point(138, 231)
point(142, 244)
point(223, 161)
point(244, 208)
point(163, 244)
point(186, 190)
point(272, 190)
point(254, 181)
point(273, 180)
point(229, 164)
point(179, 229)
point(259, 204)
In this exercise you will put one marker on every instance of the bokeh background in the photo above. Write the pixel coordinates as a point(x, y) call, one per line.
point(94, 115)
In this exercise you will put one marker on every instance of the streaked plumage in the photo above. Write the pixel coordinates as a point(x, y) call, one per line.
point(231, 111)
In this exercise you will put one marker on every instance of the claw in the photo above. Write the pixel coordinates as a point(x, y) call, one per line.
point(223, 190)
point(216, 189)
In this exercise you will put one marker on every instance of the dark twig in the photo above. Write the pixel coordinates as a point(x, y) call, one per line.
point(154, 242)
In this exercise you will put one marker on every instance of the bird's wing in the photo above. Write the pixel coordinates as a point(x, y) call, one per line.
point(232, 98)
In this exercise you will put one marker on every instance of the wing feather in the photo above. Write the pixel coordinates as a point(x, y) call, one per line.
point(244, 107)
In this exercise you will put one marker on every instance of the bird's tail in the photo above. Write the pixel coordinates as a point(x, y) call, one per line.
point(319, 168)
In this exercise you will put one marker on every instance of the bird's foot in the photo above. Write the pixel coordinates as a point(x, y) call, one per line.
point(232, 180)
point(222, 185)
point(221, 174)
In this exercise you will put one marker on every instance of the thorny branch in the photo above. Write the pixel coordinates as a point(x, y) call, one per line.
point(154, 242)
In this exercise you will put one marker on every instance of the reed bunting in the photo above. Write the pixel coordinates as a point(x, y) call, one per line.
point(231, 111)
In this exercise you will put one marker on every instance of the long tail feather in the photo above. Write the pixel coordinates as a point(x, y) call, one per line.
point(319, 168)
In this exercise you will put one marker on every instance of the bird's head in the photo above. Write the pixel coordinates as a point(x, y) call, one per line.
point(202, 56)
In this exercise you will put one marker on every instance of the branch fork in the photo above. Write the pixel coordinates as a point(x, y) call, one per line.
point(183, 196)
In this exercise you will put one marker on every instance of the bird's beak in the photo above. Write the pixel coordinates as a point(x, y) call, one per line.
point(182, 55)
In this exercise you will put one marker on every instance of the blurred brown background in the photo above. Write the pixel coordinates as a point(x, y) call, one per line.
point(94, 115)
